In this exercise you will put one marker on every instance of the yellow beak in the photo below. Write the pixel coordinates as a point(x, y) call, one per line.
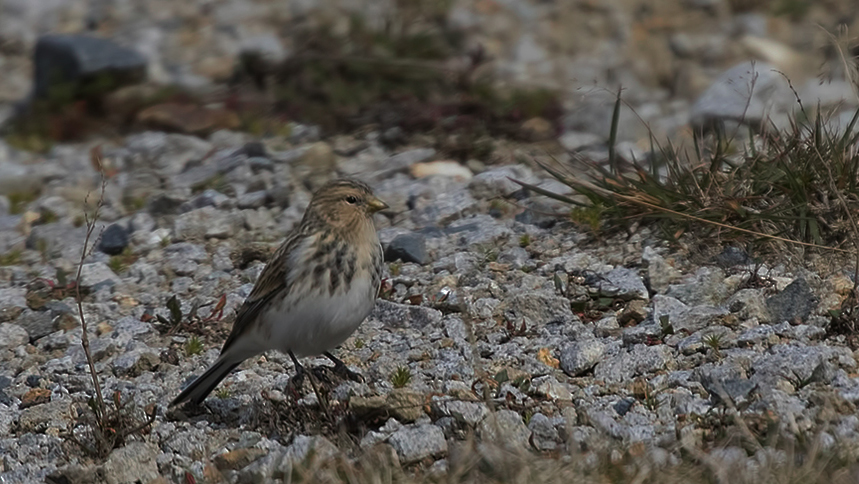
point(374, 205)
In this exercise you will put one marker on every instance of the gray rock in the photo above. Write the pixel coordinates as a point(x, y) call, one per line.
point(141, 222)
point(683, 317)
point(638, 360)
point(12, 303)
point(748, 93)
point(39, 418)
point(732, 256)
point(497, 181)
point(733, 391)
point(708, 287)
point(504, 427)
point(755, 335)
point(516, 257)
point(549, 387)
point(302, 449)
point(208, 198)
point(621, 283)
point(136, 362)
point(113, 240)
point(581, 356)
point(405, 405)
point(12, 336)
point(96, 275)
point(405, 316)
point(135, 462)
point(80, 62)
point(539, 308)
point(415, 443)
point(37, 323)
point(408, 248)
point(469, 413)
point(544, 435)
point(253, 199)
point(659, 272)
point(794, 304)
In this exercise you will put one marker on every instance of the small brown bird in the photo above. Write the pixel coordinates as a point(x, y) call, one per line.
point(316, 290)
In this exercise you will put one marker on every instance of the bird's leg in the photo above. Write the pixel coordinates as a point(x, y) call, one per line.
point(342, 370)
point(298, 379)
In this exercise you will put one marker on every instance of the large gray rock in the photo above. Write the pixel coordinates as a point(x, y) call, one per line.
point(749, 93)
point(97, 274)
point(77, 64)
point(683, 317)
point(37, 323)
point(133, 463)
point(538, 308)
point(505, 428)
point(414, 443)
point(581, 356)
point(12, 303)
point(621, 283)
point(639, 360)
point(707, 287)
point(794, 304)
point(410, 247)
point(12, 336)
point(469, 413)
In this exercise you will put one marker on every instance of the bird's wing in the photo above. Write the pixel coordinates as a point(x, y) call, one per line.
point(272, 282)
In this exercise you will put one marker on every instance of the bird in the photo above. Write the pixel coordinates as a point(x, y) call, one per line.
point(317, 288)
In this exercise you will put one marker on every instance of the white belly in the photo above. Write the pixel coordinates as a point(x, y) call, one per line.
point(314, 325)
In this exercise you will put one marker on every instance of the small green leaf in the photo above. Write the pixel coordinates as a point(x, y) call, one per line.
point(175, 310)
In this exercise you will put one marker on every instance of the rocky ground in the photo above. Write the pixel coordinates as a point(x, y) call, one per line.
point(504, 332)
point(495, 320)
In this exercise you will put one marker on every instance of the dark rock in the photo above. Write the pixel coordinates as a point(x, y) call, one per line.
point(37, 323)
point(33, 381)
point(794, 304)
point(623, 406)
point(5, 381)
point(114, 240)
point(253, 149)
point(732, 256)
point(408, 248)
point(734, 391)
point(84, 63)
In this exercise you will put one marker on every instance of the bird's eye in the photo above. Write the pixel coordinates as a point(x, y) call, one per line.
point(352, 199)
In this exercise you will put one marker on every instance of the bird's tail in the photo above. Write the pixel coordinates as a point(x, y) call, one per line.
point(204, 384)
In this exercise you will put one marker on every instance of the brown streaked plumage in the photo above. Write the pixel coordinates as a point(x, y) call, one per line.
point(317, 288)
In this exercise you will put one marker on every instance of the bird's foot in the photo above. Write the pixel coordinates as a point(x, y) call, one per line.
point(343, 371)
point(296, 383)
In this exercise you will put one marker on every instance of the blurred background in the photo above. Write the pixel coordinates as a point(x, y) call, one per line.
point(459, 73)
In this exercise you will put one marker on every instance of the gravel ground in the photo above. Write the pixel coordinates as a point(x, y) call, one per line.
point(503, 330)
point(495, 321)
